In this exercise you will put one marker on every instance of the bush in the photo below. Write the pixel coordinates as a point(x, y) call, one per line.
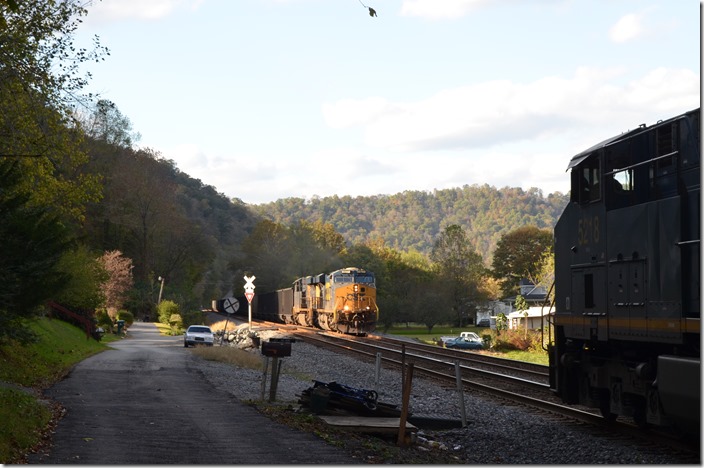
point(127, 316)
point(175, 321)
point(192, 318)
point(102, 319)
point(517, 340)
point(165, 310)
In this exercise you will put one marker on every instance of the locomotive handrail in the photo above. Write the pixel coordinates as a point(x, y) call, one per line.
point(542, 328)
point(627, 260)
point(582, 265)
point(695, 241)
point(641, 163)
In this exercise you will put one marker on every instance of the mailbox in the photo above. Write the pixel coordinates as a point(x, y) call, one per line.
point(276, 348)
point(282, 340)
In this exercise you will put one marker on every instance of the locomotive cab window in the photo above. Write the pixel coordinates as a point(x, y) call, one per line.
point(619, 176)
point(585, 181)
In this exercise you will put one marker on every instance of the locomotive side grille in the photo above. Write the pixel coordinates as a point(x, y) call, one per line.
point(665, 140)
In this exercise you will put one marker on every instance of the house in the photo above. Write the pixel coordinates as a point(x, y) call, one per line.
point(537, 317)
point(534, 295)
point(492, 309)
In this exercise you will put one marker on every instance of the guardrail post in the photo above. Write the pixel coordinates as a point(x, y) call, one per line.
point(377, 371)
point(404, 408)
point(266, 368)
point(460, 392)
point(275, 370)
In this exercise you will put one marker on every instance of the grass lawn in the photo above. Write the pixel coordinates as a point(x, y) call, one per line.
point(25, 371)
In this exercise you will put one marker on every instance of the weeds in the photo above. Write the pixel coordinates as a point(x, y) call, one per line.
point(228, 354)
point(16, 438)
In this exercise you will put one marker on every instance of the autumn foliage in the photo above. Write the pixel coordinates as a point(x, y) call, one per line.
point(119, 281)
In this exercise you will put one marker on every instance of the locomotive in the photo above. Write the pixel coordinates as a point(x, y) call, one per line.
point(627, 277)
point(343, 301)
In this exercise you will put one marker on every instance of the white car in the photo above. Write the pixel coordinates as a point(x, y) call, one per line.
point(198, 335)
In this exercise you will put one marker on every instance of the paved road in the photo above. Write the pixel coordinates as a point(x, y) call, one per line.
point(144, 401)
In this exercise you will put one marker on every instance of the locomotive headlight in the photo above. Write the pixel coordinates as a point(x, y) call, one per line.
point(347, 308)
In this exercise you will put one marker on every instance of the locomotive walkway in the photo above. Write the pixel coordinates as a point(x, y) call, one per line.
point(145, 402)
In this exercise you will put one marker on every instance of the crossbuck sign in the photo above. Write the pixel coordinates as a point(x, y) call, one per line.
point(249, 287)
point(249, 294)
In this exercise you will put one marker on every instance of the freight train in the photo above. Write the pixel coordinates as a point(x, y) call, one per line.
point(343, 301)
point(627, 277)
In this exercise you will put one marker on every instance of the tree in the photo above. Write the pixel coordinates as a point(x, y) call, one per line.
point(431, 307)
point(522, 306)
point(315, 248)
point(265, 252)
point(501, 323)
point(518, 255)
point(545, 275)
point(33, 241)
point(39, 82)
point(118, 282)
point(83, 290)
point(107, 124)
point(167, 309)
point(38, 50)
point(460, 269)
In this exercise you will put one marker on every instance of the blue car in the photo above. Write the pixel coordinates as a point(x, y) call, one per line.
point(468, 340)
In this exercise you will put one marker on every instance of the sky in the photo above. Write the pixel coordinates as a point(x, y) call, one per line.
point(270, 99)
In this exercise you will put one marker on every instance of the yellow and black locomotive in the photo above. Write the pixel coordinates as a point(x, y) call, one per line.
point(343, 301)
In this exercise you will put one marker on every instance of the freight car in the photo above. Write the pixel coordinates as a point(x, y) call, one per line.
point(343, 301)
point(627, 277)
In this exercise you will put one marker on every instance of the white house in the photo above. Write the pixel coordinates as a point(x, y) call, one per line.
point(517, 320)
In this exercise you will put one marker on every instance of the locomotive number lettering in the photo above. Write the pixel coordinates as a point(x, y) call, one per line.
point(588, 230)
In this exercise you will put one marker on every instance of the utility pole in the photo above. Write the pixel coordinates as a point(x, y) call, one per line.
point(161, 290)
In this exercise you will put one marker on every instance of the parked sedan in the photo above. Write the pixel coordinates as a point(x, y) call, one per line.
point(198, 335)
point(469, 340)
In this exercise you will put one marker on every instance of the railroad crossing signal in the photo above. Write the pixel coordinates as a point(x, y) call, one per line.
point(231, 305)
point(249, 294)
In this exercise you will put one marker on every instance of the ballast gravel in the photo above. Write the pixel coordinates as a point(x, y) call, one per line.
point(496, 433)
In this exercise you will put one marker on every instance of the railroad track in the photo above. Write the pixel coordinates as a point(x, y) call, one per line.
point(497, 378)
point(514, 382)
point(475, 361)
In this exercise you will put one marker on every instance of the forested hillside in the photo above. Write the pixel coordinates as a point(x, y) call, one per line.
point(97, 224)
point(414, 219)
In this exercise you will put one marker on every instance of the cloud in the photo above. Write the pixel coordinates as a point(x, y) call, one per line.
point(441, 9)
point(627, 28)
point(107, 11)
point(350, 112)
point(502, 111)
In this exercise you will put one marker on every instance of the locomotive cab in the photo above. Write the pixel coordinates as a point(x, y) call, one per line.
point(343, 301)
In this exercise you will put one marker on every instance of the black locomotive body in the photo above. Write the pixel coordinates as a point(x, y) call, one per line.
point(627, 277)
point(343, 301)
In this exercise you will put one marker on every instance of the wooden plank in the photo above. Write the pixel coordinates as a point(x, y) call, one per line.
point(367, 424)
